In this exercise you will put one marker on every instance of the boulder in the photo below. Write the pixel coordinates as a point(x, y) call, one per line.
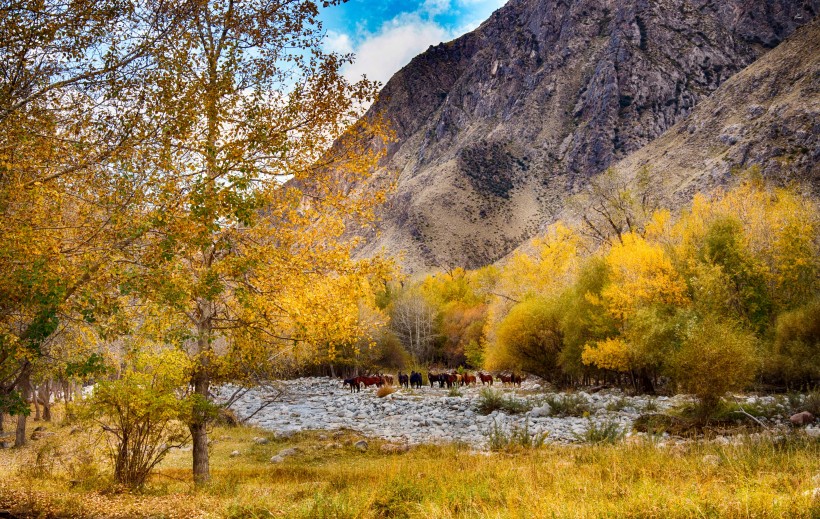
point(541, 412)
point(804, 418)
point(390, 448)
point(361, 445)
point(261, 441)
point(234, 454)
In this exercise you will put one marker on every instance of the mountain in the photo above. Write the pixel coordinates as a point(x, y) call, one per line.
point(498, 127)
point(767, 115)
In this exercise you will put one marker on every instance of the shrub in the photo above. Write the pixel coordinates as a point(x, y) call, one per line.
point(142, 414)
point(385, 390)
point(568, 405)
point(795, 359)
point(530, 337)
point(490, 400)
point(606, 432)
point(716, 357)
point(455, 392)
point(518, 438)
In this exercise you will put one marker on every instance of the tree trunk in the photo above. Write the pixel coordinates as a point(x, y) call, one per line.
point(35, 399)
point(202, 381)
point(45, 394)
point(25, 387)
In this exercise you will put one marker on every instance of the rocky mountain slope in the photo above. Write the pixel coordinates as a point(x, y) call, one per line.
point(767, 115)
point(498, 127)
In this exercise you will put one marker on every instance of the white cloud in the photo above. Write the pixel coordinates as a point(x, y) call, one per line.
point(380, 55)
point(338, 42)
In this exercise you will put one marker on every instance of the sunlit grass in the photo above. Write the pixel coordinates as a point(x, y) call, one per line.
point(329, 477)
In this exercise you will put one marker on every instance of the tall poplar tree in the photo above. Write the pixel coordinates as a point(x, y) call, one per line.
point(254, 266)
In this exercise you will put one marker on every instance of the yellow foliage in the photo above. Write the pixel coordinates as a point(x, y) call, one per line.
point(612, 354)
point(642, 273)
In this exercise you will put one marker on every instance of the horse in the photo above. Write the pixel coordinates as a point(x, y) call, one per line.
point(459, 379)
point(486, 378)
point(353, 383)
point(435, 377)
point(404, 380)
point(469, 379)
point(516, 380)
point(450, 379)
point(416, 380)
point(371, 381)
point(387, 379)
point(505, 379)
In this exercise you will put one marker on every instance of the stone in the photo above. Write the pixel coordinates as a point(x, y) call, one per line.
point(234, 454)
point(803, 418)
point(389, 448)
point(261, 441)
point(277, 459)
point(541, 412)
point(361, 445)
point(290, 451)
point(711, 459)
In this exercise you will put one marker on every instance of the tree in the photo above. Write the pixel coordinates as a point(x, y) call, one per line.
point(715, 357)
point(141, 412)
point(530, 338)
point(413, 319)
point(612, 205)
point(71, 115)
point(239, 269)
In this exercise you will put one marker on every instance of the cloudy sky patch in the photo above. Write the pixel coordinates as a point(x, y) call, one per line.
point(386, 35)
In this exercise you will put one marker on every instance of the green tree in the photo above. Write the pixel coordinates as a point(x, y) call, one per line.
point(715, 357)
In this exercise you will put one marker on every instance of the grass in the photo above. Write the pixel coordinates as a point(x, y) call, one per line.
point(607, 432)
point(568, 405)
point(518, 438)
point(490, 400)
point(329, 477)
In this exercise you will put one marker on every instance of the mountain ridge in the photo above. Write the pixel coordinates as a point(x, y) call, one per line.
point(497, 128)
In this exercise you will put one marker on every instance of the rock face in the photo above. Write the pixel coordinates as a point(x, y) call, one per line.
point(496, 128)
point(766, 115)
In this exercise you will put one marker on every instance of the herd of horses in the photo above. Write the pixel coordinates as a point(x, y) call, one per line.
point(443, 379)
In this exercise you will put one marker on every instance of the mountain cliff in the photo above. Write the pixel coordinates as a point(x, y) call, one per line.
point(497, 128)
point(766, 115)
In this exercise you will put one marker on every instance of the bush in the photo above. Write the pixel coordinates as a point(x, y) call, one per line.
point(795, 359)
point(530, 337)
point(490, 400)
point(518, 438)
point(142, 414)
point(385, 390)
point(568, 405)
point(716, 357)
point(607, 432)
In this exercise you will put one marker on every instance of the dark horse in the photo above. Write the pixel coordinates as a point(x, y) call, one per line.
point(435, 377)
point(416, 380)
point(486, 378)
point(404, 380)
point(353, 383)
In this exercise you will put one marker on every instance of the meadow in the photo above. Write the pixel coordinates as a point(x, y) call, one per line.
point(65, 474)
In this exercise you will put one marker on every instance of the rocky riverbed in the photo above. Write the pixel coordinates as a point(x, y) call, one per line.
point(434, 415)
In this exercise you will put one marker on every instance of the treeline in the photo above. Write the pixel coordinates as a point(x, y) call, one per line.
point(716, 298)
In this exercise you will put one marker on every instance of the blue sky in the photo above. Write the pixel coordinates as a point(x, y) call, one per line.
point(386, 34)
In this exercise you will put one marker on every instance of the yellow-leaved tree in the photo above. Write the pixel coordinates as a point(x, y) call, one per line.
point(72, 117)
point(252, 266)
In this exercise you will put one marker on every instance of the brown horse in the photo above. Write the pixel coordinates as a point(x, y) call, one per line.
point(371, 381)
point(387, 380)
point(486, 378)
point(505, 379)
point(469, 379)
